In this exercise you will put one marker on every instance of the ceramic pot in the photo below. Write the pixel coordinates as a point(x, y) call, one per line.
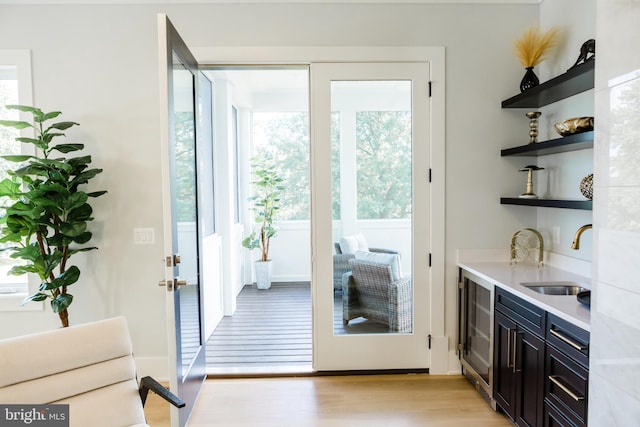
point(263, 274)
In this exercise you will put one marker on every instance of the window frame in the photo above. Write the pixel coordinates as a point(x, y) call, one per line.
point(21, 59)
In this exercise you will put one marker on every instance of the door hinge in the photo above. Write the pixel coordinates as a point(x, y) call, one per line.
point(429, 89)
point(429, 341)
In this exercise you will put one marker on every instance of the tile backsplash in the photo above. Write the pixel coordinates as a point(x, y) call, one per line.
point(614, 390)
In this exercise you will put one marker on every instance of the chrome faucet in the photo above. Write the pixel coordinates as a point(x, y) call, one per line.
point(514, 246)
point(576, 240)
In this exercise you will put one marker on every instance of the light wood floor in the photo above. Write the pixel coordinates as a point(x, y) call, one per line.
point(344, 401)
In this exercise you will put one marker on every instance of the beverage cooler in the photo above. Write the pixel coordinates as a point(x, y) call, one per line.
point(475, 332)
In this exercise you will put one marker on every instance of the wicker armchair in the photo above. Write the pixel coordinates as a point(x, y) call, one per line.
point(341, 263)
point(369, 291)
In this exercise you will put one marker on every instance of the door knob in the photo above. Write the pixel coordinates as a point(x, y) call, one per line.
point(180, 283)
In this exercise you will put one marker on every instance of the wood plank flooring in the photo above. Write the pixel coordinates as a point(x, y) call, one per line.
point(341, 401)
point(270, 331)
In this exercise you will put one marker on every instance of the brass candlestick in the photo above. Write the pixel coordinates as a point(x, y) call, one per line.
point(529, 194)
point(533, 125)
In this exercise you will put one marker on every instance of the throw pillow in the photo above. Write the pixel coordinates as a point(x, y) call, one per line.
point(392, 260)
point(348, 245)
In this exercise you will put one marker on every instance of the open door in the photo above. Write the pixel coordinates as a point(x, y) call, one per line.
point(179, 80)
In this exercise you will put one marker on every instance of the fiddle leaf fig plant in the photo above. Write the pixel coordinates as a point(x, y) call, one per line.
point(268, 186)
point(45, 211)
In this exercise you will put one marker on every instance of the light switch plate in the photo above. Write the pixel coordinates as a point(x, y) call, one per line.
point(144, 236)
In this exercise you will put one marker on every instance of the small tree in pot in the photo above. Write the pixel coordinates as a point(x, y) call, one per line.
point(45, 220)
point(268, 185)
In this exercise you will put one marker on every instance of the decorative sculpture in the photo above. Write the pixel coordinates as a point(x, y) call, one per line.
point(588, 47)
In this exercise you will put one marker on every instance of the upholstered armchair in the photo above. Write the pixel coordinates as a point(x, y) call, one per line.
point(341, 263)
point(89, 367)
point(375, 290)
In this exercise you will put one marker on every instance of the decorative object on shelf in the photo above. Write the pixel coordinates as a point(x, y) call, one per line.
point(529, 80)
point(527, 245)
point(588, 47)
point(574, 125)
point(529, 194)
point(531, 49)
point(586, 186)
point(533, 125)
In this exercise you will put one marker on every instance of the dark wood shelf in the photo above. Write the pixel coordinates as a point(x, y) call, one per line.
point(548, 203)
point(579, 141)
point(573, 82)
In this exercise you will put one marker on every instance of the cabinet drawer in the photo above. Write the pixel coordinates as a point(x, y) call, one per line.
point(553, 418)
point(566, 386)
point(524, 313)
point(569, 339)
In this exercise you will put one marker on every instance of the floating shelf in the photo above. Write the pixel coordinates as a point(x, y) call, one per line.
point(573, 82)
point(579, 141)
point(548, 203)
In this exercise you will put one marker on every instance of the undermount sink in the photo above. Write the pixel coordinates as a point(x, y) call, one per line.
point(555, 288)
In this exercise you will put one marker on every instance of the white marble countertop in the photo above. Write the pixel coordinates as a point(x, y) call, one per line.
point(509, 277)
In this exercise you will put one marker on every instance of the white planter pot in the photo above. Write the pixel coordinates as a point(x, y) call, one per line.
point(263, 274)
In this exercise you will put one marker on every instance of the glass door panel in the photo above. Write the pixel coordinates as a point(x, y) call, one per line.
point(372, 127)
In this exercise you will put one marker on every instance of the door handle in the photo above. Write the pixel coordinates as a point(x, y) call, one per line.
point(172, 284)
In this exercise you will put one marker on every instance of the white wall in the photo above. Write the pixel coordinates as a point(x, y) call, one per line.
point(99, 65)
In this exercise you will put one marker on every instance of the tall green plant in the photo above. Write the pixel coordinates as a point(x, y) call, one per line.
point(45, 213)
point(268, 185)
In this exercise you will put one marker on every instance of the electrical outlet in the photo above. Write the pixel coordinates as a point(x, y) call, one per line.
point(556, 235)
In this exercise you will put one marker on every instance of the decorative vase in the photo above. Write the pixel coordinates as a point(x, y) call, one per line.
point(263, 274)
point(529, 80)
point(586, 186)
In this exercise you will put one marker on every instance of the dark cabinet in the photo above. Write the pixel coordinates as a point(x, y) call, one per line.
point(566, 374)
point(519, 359)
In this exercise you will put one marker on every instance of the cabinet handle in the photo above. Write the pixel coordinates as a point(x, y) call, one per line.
point(568, 340)
point(556, 380)
point(515, 350)
point(509, 348)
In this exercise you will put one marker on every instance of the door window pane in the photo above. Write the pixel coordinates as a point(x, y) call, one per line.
point(371, 124)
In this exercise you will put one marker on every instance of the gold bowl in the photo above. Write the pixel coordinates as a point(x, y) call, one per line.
point(574, 125)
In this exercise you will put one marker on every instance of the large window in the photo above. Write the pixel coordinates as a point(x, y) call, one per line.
point(15, 88)
point(285, 138)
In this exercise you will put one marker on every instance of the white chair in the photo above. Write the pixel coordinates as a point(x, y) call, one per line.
point(90, 367)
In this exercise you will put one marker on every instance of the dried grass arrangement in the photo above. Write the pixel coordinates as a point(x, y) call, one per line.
point(534, 45)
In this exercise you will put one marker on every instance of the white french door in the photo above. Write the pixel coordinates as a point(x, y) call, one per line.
point(179, 79)
point(349, 100)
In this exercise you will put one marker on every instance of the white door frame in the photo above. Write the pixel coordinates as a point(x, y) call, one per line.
point(262, 55)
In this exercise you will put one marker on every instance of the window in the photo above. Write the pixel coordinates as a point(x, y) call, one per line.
point(285, 137)
point(15, 88)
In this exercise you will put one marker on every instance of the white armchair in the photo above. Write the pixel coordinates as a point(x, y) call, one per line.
point(90, 367)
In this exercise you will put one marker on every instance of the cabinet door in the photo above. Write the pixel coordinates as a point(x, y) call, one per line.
point(503, 371)
point(529, 368)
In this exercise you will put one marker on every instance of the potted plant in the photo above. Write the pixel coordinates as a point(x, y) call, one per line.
point(268, 185)
point(44, 210)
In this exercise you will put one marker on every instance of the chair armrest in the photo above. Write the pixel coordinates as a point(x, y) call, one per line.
point(384, 251)
point(148, 383)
